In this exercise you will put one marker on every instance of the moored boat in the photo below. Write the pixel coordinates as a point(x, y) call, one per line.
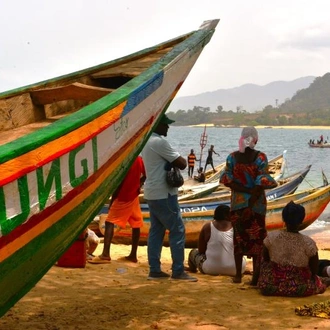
point(285, 186)
point(66, 144)
point(314, 200)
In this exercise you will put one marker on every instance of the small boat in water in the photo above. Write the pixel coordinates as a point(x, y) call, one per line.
point(67, 143)
point(319, 145)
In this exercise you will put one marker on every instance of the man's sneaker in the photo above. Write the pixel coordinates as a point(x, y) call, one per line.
point(184, 277)
point(157, 276)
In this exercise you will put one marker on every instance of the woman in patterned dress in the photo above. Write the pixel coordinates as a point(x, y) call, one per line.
point(290, 260)
point(246, 174)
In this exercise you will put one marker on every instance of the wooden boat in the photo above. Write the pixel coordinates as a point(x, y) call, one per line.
point(277, 166)
point(314, 200)
point(285, 187)
point(66, 144)
point(319, 145)
point(198, 190)
point(191, 192)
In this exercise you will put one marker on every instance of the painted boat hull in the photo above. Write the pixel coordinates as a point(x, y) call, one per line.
point(55, 180)
point(314, 200)
point(289, 186)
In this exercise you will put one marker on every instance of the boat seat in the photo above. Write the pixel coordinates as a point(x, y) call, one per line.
point(75, 91)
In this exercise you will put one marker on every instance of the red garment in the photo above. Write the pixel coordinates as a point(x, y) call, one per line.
point(130, 187)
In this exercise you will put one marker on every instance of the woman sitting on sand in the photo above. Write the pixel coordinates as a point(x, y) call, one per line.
point(290, 259)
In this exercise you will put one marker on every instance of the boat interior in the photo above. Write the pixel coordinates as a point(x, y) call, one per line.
point(30, 108)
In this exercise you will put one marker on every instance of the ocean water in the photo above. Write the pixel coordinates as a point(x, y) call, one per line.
point(272, 141)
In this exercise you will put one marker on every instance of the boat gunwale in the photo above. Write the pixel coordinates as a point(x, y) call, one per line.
point(78, 119)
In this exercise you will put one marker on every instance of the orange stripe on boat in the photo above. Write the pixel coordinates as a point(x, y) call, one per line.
point(28, 162)
point(35, 231)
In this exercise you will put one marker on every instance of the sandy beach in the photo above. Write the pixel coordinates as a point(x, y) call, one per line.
point(119, 296)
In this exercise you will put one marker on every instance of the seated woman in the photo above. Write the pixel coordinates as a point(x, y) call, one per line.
point(290, 259)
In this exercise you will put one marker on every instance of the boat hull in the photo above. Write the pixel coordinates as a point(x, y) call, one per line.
point(314, 201)
point(319, 145)
point(55, 181)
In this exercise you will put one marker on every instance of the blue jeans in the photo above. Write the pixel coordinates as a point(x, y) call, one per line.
point(165, 215)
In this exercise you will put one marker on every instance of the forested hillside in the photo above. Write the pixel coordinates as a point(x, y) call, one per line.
point(309, 106)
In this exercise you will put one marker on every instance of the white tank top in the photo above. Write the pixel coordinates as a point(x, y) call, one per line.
point(220, 253)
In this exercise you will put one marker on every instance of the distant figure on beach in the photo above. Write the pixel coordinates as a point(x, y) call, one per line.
point(125, 208)
point(209, 159)
point(290, 259)
point(215, 253)
point(247, 175)
point(201, 175)
point(191, 162)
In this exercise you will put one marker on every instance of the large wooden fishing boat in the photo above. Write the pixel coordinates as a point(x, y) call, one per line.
point(314, 200)
point(66, 144)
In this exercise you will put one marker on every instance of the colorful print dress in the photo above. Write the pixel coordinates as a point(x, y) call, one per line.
point(249, 223)
point(287, 273)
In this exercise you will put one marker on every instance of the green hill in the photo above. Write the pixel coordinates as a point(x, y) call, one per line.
point(309, 106)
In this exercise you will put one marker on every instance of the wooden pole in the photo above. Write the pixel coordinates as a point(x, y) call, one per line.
point(202, 143)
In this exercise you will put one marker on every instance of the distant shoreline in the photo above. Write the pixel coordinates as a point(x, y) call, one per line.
point(265, 127)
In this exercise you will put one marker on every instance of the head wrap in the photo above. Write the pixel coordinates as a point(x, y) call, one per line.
point(249, 138)
point(293, 214)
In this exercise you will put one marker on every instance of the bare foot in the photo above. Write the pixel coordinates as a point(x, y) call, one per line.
point(132, 259)
point(237, 279)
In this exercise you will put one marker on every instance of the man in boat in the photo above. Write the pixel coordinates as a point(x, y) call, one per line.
point(163, 204)
point(191, 163)
point(125, 208)
point(209, 159)
point(201, 175)
point(215, 253)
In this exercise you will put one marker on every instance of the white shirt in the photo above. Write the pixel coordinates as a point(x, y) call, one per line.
point(220, 253)
point(156, 153)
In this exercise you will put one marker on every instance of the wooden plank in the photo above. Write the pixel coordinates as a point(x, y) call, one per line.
point(75, 91)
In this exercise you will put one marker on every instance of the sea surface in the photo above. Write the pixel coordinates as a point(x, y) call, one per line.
point(272, 141)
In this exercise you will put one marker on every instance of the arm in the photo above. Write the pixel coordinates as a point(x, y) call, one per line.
point(180, 162)
point(204, 237)
point(314, 264)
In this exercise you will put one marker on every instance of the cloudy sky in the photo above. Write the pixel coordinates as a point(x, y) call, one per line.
point(256, 41)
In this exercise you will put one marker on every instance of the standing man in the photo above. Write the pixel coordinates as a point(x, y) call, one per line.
point(191, 163)
point(125, 207)
point(163, 204)
point(209, 159)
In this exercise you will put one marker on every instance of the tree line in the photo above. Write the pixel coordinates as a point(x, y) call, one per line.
point(309, 106)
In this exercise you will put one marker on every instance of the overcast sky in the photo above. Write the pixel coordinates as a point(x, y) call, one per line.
point(256, 41)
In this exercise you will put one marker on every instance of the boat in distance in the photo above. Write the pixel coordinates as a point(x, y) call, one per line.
point(319, 145)
point(67, 143)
